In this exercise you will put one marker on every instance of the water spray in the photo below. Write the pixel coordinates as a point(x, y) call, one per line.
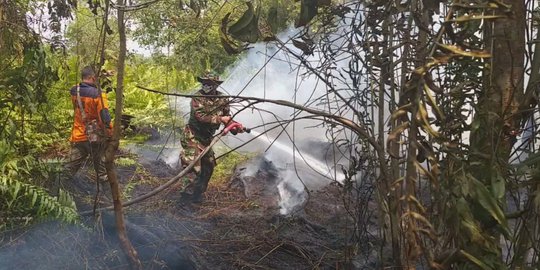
point(312, 162)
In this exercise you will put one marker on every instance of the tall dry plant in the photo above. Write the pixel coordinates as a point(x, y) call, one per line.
point(440, 89)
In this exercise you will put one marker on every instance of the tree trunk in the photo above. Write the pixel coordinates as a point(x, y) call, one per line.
point(529, 221)
point(112, 147)
point(494, 125)
point(390, 213)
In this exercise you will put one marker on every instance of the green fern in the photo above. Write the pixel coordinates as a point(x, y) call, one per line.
point(22, 201)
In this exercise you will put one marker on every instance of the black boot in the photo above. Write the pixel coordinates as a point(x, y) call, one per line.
point(185, 196)
point(197, 196)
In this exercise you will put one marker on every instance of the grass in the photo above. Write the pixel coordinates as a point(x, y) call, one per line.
point(226, 166)
point(134, 139)
point(125, 161)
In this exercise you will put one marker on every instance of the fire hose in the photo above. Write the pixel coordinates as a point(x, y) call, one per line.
point(233, 127)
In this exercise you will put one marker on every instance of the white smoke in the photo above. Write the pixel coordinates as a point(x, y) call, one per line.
point(171, 156)
point(258, 74)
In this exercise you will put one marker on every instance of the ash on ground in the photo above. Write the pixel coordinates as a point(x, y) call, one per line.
point(239, 225)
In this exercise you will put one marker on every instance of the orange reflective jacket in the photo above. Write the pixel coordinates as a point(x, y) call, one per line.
point(96, 108)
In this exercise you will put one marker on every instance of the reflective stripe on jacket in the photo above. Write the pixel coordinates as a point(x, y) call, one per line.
point(93, 102)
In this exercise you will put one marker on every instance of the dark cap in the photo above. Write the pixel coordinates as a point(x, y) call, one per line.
point(209, 78)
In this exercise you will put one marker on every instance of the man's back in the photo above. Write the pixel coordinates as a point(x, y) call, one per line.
point(91, 101)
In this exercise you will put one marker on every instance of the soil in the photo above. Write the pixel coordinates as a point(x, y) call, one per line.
point(238, 226)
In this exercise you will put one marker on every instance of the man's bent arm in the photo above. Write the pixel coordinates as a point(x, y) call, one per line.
point(103, 109)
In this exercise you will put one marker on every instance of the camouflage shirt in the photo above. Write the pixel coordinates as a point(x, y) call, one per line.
point(205, 116)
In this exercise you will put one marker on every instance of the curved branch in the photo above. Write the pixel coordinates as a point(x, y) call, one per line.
point(358, 129)
point(134, 7)
point(165, 185)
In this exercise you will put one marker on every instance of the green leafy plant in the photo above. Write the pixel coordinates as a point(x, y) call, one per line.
point(125, 161)
point(23, 202)
point(226, 166)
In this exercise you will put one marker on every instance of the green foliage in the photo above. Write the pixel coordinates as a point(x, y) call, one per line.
point(128, 189)
point(279, 14)
point(191, 43)
point(226, 166)
point(25, 79)
point(194, 41)
point(475, 261)
point(23, 202)
point(25, 82)
point(125, 161)
point(150, 109)
point(84, 39)
point(27, 75)
point(139, 138)
point(263, 22)
point(13, 31)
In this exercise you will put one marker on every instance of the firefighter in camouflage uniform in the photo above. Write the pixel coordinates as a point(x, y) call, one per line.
point(206, 116)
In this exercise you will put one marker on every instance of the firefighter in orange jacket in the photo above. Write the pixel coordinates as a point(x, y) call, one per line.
point(91, 125)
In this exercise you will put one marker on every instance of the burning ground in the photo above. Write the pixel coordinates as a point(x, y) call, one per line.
point(239, 226)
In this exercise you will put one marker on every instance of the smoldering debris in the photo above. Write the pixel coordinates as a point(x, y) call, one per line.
point(257, 177)
point(292, 196)
point(261, 177)
point(52, 245)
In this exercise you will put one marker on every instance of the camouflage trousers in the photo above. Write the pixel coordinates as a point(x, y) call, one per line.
point(191, 148)
point(80, 151)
